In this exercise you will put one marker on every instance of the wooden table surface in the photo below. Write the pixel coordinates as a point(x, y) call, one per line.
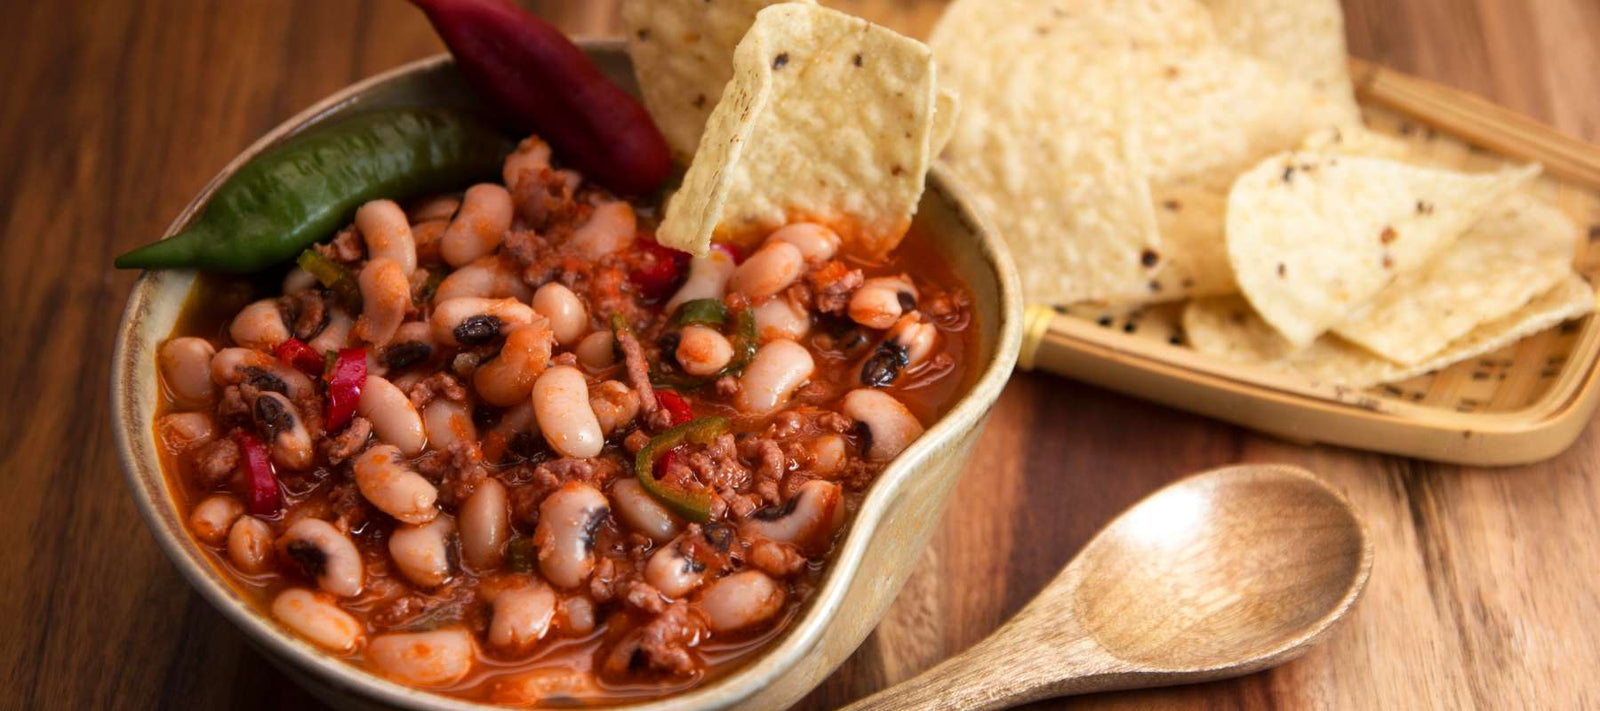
point(112, 114)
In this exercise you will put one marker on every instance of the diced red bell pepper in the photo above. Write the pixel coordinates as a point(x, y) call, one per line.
point(675, 406)
point(300, 356)
point(661, 269)
point(260, 484)
point(345, 379)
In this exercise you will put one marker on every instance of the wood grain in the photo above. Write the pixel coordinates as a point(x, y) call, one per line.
point(112, 114)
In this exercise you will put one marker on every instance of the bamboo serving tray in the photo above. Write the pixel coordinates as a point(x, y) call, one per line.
point(1522, 403)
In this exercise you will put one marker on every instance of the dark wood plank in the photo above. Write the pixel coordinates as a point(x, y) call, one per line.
point(113, 115)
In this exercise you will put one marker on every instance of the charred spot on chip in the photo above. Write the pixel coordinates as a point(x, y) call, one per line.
point(699, 101)
point(1155, 285)
point(1388, 261)
point(1283, 270)
point(1172, 71)
point(409, 353)
point(856, 60)
point(1288, 174)
point(477, 330)
point(308, 556)
point(780, 60)
point(264, 380)
point(1130, 327)
point(1424, 207)
point(643, 34)
point(1594, 233)
point(1105, 321)
point(1172, 205)
point(896, 170)
point(1388, 234)
point(1149, 258)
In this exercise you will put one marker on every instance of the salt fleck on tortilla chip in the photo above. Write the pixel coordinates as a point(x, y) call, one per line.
point(1226, 327)
point(1191, 219)
point(1311, 236)
point(1303, 38)
point(682, 52)
point(1517, 251)
point(828, 118)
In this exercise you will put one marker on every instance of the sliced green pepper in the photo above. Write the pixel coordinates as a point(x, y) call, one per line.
point(705, 312)
point(300, 191)
point(692, 505)
point(335, 277)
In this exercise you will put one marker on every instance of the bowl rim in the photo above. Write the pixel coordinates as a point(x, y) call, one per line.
point(786, 650)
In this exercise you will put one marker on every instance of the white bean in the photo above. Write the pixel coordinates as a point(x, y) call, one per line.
point(881, 300)
point(394, 418)
point(536, 687)
point(391, 486)
point(781, 318)
point(485, 525)
point(770, 270)
point(703, 351)
point(385, 300)
point(387, 233)
point(741, 600)
point(259, 326)
point(285, 430)
point(568, 520)
point(183, 431)
point(250, 545)
point(433, 658)
point(517, 420)
point(335, 334)
point(597, 351)
point(483, 218)
point(808, 520)
point(610, 228)
point(561, 406)
point(532, 155)
point(569, 320)
point(186, 370)
point(708, 279)
point(815, 242)
point(422, 551)
point(673, 573)
point(212, 517)
point(476, 319)
point(890, 425)
point(522, 616)
point(772, 376)
point(494, 276)
point(448, 422)
point(317, 618)
point(642, 512)
point(614, 405)
point(324, 553)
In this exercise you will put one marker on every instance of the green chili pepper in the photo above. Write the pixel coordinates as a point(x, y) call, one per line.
point(692, 505)
point(710, 312)
point(333, 276)
point(303, 189)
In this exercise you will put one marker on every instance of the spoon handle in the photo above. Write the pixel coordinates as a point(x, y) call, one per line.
point(1031, 657)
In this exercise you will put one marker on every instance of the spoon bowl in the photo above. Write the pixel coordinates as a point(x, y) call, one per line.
point(1219, 574)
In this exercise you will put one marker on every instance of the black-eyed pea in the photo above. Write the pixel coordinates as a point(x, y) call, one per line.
point(385, 300)
point(326, 554)
point(708, 279)
point(394, 419)
point(422, 551)
point(770, 270)
point(485, 526)
point(250, 545)
point(231, 366)
point(815, 242)
point(576, 615)
point(568, 520)
point(741, 600)
point(335, 334)
point(641, 511)
point(447, 423)
point(474, 321)
point(569, 320)
point(386, 231)
point(521, 616)
point(279, 420)
point(186, 370)
point(434, 658)
point(298, 280)
point(183, 431)
point(475, 231)
point(609, 229)
point(390, 485)
point(441, 207)
point(890, 427)
point(494, 277)
point(317, 618)
point(916, 336)
point(531, 156)
point(808, 520)
point(772, 376)
point(781, 318)
point(673, 573)
point(703, 351)
point(259, 325)
point(213, 516)
point(561, 406)
point(597, 351)
point(881, 301)
point(614, 405)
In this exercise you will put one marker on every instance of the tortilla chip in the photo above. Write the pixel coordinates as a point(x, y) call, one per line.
point(946, 109)
point(682, 53)
point(828, 119)
point(1226, 327)
point(1313, 236)
point(1354, 140)
point(1191, 219)
point(1516, 252)
point(1303, 38)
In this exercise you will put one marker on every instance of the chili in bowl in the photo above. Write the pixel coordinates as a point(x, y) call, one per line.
point(551, 461)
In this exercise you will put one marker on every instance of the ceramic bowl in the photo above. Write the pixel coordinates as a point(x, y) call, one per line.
point(870, 564)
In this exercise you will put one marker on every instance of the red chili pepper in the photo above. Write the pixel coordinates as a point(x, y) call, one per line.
point(260, 484)
point(544, 82)
point(731, 250)
point(301, 356)
point(661, 269)
point(345, 379)
point(675, 405)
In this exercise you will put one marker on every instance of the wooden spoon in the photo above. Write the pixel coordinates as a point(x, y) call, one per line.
point(1219, 574)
